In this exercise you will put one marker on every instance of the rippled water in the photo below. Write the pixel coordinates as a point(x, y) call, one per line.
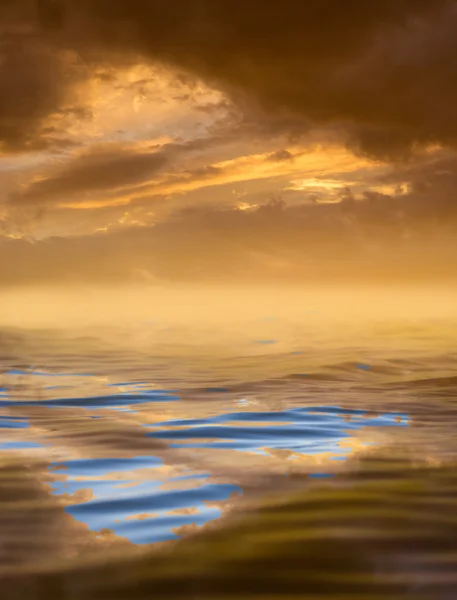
point(308, 461)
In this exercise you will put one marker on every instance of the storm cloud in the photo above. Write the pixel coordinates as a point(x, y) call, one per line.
point(272, 81)
point(384, 71)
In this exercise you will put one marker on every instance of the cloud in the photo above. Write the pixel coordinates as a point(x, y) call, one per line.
point(128, 173)
point(382, 73)
point(239, 95)
point(113, 171)
point(99, 169)
point(382, 70)
point(280, 155)
point(373, 235)
point(37, 82)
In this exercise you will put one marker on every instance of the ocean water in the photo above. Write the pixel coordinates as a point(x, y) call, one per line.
point(263, 446)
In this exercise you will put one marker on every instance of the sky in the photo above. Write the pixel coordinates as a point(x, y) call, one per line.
point(225, 141)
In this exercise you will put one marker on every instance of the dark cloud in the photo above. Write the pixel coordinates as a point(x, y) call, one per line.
point(384, 71)
point(106, 170)
point(201, 173)
point(280, 156)
point(385, 68)
point(98, 170)
point(36, 81)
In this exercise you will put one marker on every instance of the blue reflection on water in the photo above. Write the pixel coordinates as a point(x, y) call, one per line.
point(129, 495)
point(136, 509)
point(302, 430)
point(97, 402)
point(37, 373)
point(20, 445)
point(104, 466)
point(131, 394)
point(144, 511)
point(13, 423)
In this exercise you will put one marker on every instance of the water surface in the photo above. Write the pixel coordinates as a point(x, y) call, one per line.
point(167, 442)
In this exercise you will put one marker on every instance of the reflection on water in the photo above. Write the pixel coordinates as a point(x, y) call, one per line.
point(309, 431)
point(283, 467)
point(140, 497)
point(139, 510)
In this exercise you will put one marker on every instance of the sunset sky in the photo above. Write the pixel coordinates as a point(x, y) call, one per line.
point(217, 140)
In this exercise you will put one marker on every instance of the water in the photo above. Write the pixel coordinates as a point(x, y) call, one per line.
point(268, 455)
